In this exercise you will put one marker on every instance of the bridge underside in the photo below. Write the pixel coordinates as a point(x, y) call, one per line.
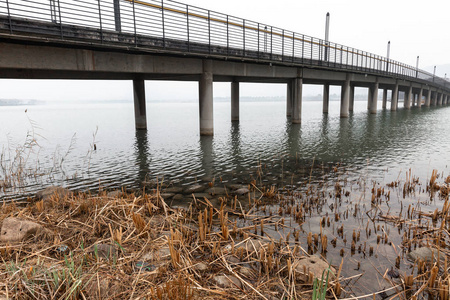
point(21, 59)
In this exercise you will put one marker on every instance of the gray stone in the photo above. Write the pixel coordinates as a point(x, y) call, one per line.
point(174, 189)
point(216, 191)
point(156, 255)
point(247, 272)
point(105, 251)
point(177, 197)
point(201, 195)
point(16, 230)
point(313, 264)
point(201, 266)
point(227, 281)
point(196, 188)
point(166, 196)
point(233, 186)
point(52, 191)
point(231, 259)
point(114, 194)
point(425, 254)
point(241, 191)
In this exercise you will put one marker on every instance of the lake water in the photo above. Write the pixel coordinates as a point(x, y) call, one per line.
point(383, 145)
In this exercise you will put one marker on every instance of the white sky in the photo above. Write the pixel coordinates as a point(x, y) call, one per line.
point(413, 27)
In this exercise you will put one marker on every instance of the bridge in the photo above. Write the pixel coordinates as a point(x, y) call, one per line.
point(142, 40)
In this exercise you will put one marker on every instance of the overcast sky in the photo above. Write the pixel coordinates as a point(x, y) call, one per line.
point(413, 27)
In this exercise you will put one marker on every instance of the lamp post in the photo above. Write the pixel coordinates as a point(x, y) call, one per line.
point(327, 33)
point(417, 67)
point(387, 55)
point(434, 73)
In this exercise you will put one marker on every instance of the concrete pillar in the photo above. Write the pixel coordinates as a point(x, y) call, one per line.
point(428, 100)
point(297, 103)
point(140, 113)
point(385, 93)
point(326, 98)
point(373, 98)
point(408, 97)
point(440, 99)
point(419, 101)
point(434, 102)
point(351, 103)
point(394, 100)
point(234, 101)
point(345, 98)
point(289, 92)
point(205, 88)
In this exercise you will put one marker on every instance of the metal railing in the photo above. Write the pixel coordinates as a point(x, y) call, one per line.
point(172, 26)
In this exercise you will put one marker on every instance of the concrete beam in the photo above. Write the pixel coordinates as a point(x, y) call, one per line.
point(394, 100)
point(326, 98)
point(345, 98)
point(297, 104)
point(140, 113)
point(351, 103)
point(206, 100)
point(234, 101)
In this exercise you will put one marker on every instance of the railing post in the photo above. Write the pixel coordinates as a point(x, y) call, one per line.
point(134, 22)
point(60, 20)
point(9, 17)
point(163, 24)
point(187, 28)
point(209, 30)
point(100, 19)
point(243, 35)
point(117, 21)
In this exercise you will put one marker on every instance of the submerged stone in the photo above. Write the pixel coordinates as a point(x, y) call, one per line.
point(424, 253)
point(166, 196)
point(17, 230)
point(315, 265)
point(227, 281)
point(196, 188)
point(216, 191)
point(242, 191)
point(174, 189)
point(52, 191)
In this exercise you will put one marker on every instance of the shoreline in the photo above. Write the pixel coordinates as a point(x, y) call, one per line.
point(252, 241)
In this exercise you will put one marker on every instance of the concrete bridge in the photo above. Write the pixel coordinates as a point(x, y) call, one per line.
point(165, 40)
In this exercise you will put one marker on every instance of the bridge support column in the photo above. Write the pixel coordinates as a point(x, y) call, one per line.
point(297, 103)
point(140, 113)
point(326, 98)
point(234, 101)
point(206, 99)
point(440, 99)
point(351, 103)
point(394, 98)
point(289, 97)
point(434, 101)
point(419, 101)
point(408, 97)
point(373, 98)
point(428, 99)
point(345, 98)
point(385, 93)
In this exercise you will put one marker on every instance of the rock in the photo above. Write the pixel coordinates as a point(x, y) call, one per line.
point(103, 288)
point(313, 264)
point(236, 186)
point(166, 196)
point(201, 266)
point(105, 251)
point(227, 281)
point(231, 259)
point(241, 191)
point(156, 255)
point(178, 197)
point(196, 188)
point(16, 230)
point(424, 253)
point(175, 190)
point(52, 191)
point(201, 195)
point(216, 191)
point(247, 272)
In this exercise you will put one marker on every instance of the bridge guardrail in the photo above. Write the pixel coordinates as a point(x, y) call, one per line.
point(171, 25)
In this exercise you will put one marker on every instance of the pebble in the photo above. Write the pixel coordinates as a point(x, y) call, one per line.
point(51, 191)
point(315, 265)
point(16, 230)
point(423, 253)
point(196, 188)
point(227, 281)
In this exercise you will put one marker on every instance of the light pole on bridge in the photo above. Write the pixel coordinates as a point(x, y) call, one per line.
point(417, 67)
point(327, 33)
point(387, 55)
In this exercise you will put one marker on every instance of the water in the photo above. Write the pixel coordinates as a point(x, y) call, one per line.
point(383, 145)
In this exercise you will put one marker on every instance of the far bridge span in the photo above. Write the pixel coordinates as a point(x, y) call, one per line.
point(167, 40)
